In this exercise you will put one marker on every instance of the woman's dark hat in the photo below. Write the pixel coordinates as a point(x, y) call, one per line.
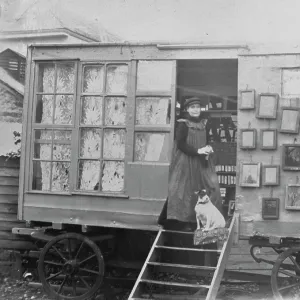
point(191, 101)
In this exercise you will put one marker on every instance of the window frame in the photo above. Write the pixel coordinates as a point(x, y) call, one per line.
point(33, 126)
point(130, 126)
point(160, 128)
point(76, 148)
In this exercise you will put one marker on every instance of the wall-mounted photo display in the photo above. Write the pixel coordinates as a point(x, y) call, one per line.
point(290, 118)
point(231, 208)
point(267, 106)
point(292, 197)
point(270, 208)
point(270, 175)
point(250, 174)
point(268, 139)
point(247, 99)
point(291, 157)
point(248, 139)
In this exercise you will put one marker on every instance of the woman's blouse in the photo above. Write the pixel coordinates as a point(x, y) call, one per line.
point(181, 139)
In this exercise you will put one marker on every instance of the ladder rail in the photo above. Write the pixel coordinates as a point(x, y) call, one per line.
point(222, 261)
point(136, 285)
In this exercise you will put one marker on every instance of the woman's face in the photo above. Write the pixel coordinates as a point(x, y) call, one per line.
point(194, 110)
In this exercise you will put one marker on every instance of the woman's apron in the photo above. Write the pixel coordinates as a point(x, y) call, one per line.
point(189, 174)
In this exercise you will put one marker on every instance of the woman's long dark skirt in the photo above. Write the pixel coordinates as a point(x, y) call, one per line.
point(172, 224)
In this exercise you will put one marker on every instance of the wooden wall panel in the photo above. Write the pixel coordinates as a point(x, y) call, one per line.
point(148, 181)
point(117, 219)
point(9, 186)
point(114, 52)
point(263, 74)
point(240, 259)
point(10, 198)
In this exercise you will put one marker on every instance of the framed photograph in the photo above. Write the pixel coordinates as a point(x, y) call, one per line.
point(290, 118)
point(270, 208)
point(291, 157)
point(267, 106)
point(250, 174)
point(292, 197)
point(248, 138)
point(270, 175)
point(231, 208)
point(247, 100)
point(268, 139)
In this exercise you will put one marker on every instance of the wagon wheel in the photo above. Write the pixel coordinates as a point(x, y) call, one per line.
point(71, 267)
point(285, 279)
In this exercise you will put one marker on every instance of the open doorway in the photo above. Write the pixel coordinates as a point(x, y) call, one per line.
point(215, 81)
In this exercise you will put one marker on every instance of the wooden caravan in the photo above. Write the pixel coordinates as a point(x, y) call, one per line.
point(125, 97)
point(98, 130)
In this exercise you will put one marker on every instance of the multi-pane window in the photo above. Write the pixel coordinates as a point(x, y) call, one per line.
point(153, 111)
point(102, 128)
point(79, 125)
point(52, 126)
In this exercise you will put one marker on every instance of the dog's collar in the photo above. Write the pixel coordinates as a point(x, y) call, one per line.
point(202, 202)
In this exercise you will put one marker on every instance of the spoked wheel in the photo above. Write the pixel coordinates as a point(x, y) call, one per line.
point(71, 267)
point(285, 278)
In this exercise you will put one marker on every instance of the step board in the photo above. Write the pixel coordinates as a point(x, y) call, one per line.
point(188, 249)
point(173, 258)
point(181, 266)
point(154, 268)
point(177, 284)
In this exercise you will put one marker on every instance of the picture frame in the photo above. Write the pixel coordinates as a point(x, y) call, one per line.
point(247, 100)
point(250, 174)
point(267, 106)
point(292, 197)
point(270, 208)
point(248, 139)
point(291, 157)
point(231, 208)
point(290, 117)
point(270, 175)
point(268, 139)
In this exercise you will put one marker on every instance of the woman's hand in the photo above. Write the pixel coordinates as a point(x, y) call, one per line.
point(203, 150)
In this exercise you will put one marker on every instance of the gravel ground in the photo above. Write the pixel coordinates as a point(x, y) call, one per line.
point(11, 289)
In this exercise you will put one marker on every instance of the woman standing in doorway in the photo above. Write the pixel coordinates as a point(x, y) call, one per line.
point(191, 170)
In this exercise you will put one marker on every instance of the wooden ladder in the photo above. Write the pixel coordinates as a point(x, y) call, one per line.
point(176, 269)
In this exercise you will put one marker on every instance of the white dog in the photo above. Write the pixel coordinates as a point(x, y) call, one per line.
point(207, 213)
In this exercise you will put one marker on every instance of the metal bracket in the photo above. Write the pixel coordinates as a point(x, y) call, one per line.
point(259, 260)
point(41, 236)
point(28, 231)
point(275, 240)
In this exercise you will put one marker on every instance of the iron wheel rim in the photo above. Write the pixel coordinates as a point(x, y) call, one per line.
point(70, 266)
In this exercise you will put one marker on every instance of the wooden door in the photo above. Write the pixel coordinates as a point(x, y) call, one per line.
point(152, 134)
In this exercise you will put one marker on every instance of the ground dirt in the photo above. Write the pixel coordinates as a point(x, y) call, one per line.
point(11, 289)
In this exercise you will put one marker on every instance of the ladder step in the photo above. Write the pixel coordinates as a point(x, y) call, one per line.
point(177, 284)
point(179, 232)
point(188, 249)
point(181, 266)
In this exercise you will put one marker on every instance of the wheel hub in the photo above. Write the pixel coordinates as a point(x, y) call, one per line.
point(70, 267)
